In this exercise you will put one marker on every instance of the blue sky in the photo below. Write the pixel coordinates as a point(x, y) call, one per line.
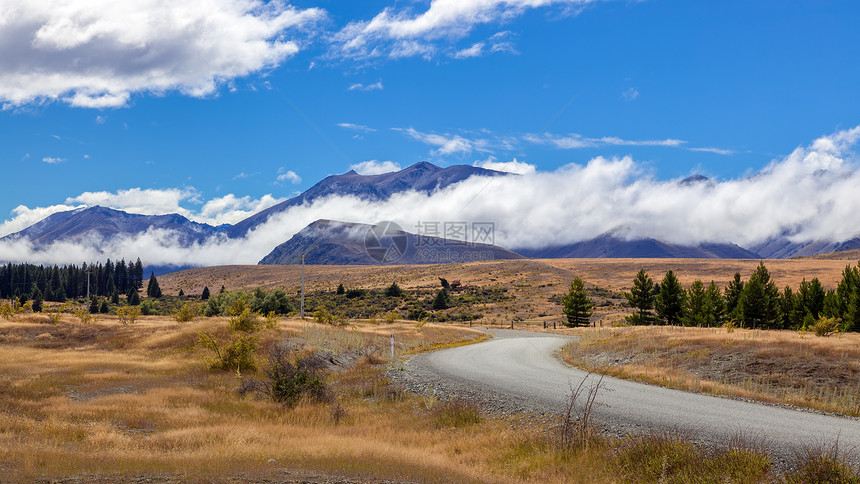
point(262, 103)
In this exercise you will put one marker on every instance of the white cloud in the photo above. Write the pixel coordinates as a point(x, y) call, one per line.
point(718, 151)
point(810, 194)
point(52, 161)
point(289, 175)
point(376, 86)
point(630, 94)
point(98, 53)
point(576, 141)
point(447, 144)
point(374, 167)
point(356, 127)
point(513, 166)
point(476, 50)
point(397, 33)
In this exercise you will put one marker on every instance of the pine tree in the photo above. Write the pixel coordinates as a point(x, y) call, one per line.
point(94, 305)
point(733, 296)
point(114, 298)
point(394, 290)
point(104, 308)
point(759, 301)
point(696, 311)
point(442, 300)
point(641, 297)
point(37, 300)
point(133, 298)
point(153, 290)
point(790, 314)
point(181, 293)
point(670, 300)
point(716, 305)
point(577, 304)
point(340, 289)
point(205, 294)
point(811, 295)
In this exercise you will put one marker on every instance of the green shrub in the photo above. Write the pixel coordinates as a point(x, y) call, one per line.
point(242, 318)
point(236, 354)
point(148, 307)
point(289, 379)
point(186, 313)
point(824, 326)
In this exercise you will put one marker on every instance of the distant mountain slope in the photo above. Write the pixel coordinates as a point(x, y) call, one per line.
point(609, 246)
point(783, 248)
point(103, 223)
point(344, 243)
point(422, 177)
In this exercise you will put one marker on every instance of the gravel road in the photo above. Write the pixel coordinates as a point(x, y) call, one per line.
point(518, 372)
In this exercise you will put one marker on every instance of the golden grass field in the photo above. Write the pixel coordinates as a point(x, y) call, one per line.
point(103, 401)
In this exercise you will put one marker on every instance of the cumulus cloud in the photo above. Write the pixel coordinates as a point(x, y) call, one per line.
point(52, 160)
point(376, 86)
point(288, 175)
point(374, 167)
point(397, 33)
point(808, 195)
point(513, 166)
point(98, 53)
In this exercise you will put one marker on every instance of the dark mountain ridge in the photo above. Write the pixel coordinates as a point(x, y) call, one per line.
point(423, 177)
point(346, 243)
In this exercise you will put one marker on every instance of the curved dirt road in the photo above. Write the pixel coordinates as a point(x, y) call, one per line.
point(522, 366)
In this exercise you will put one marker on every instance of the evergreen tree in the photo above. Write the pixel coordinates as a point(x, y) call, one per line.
point(138, 274)
point(340, 289)
point(670, 299)
point(59, 295)
point(759, 301)
point(133, 298)
point(114, 298)
point(442, 300)
point(577, 304)
point(696, 310)
point(641, 297)
point(394, 290)
point(733, 296)
point(181, 293)
point(37, 300)
point(811, 295)
point(716, 305)
point(205, 294)
point(94, 305)
point(153, 290)
point(790, 310)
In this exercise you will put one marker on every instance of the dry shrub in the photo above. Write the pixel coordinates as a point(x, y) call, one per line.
point(456, 413)
point(671, 458)
point(577, 429)
point(822, 464)
point(44, 337)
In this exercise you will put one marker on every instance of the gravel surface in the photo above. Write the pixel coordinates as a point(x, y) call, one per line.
point(518, 372)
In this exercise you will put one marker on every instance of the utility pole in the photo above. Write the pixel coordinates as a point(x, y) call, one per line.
point(302, 310)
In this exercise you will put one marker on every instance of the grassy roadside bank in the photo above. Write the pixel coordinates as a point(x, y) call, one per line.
point(103, 400)
point(800, 369)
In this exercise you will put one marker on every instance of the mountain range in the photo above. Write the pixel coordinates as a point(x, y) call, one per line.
point(333, 242)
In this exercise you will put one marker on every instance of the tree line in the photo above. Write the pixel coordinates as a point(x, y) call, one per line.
point(754, 303)
point(59, 283)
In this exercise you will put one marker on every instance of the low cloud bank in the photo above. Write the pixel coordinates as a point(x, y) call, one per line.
point(811, 194)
